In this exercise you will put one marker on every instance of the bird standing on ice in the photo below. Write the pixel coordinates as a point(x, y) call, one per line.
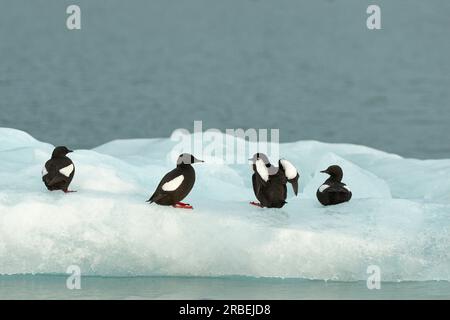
point(177, 184)
point(269, 182)
point(333, 191)
point(58, 172)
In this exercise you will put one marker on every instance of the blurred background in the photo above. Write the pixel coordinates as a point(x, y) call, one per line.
point(142, 68)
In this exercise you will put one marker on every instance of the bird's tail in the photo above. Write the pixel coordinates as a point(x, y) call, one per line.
point(151, 199)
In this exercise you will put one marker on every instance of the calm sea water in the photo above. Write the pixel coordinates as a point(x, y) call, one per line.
point(54, 287)
point(310, 68)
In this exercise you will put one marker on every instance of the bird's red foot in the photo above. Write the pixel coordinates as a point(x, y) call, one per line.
point(253, 203)
point(69, 191)
point(182, 205)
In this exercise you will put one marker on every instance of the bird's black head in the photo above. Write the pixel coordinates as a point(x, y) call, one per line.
point(187, 158)
point(335, 172)
point(260, 156)
point(60, 152)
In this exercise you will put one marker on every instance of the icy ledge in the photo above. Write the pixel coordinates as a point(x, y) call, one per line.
point(398, 219)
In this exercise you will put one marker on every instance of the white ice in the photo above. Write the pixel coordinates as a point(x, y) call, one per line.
point(398, 218)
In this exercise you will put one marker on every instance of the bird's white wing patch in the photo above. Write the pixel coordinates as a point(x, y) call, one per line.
point(67, 171)
point(347, 188)
point(44, 171)
point(289, 169)
point(262, 170)
point(173, 184)
point(323, 187)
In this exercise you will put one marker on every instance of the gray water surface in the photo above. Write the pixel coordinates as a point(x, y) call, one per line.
point(140, 69)
point(197, 288)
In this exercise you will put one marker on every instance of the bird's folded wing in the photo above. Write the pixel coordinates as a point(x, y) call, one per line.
point(333, 188)
point(257, 183)
point(156, 197)
point(67, 171)
point(57, 179)
point(173, 184)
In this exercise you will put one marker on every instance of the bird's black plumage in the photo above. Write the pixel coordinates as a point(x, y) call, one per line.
point(59, 170)
point(169, 193)
point(270, 187)
point(333, 190)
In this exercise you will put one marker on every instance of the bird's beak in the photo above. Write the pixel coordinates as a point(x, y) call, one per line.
point(70, 151)
point(197, 160)
point(324, 171)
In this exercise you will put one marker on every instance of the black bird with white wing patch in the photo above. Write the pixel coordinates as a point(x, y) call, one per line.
point(58, 172)
point(333, 191)
point(269, 182)
point(176, 184)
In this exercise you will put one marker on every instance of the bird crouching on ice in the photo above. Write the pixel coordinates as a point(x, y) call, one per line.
point(59, 171)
